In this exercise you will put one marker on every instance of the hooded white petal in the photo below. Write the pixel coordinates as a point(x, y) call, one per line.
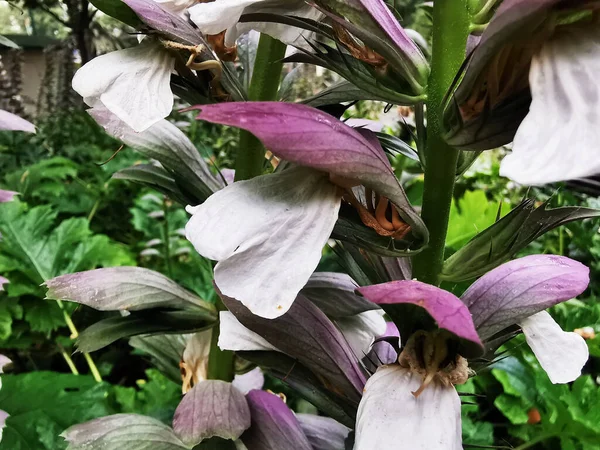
point(559, 139)
point(235, 336)
point(221, 15)
point(133, 84)
point(561, 354)
point(390, 417)
point(361, 330)
point(267, 234)
point(176, 7)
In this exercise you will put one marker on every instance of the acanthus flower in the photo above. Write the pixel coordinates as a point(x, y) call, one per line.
point(414, 401)
point(256, 265)
point(531, 80)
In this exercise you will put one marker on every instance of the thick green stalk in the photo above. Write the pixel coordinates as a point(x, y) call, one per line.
point(220, 362)
point(263, 87)
point(450, 31)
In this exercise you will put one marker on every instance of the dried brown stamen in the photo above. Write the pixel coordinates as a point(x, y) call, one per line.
point(379, 214)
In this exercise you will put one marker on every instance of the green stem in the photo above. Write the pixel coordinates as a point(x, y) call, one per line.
point(220, 362)
point(74, 334)
point(263, 87)
point(450, 31)
point(535, 441)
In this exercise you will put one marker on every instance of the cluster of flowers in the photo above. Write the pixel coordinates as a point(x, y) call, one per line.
point(535, 87)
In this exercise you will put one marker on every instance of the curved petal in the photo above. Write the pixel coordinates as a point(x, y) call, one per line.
point(562, 124)
point(267, 234)
point(445, 308)
point(522, 287)
point(323, 433)
point(220, 15)
point(561, 354)
point(389, 415)
point(312, 138)
point(133, 84)
point(7, 196)
point(12, 122)
point(361, 330)
point(196, 353)
point(274, 426)
point(211, 408)
point(235, 336)
point(3, 281)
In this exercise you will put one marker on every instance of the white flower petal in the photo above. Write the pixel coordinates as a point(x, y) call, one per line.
point(254, 379)
point(561, 354)
point(361, 330)
point(267, 234)
point(133, 84)
point(558, 140)
point(176, 7)
point(235, 336)
point(390, 417)
point(220, 15)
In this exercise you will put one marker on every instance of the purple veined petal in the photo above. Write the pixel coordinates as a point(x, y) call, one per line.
point(306, 334)
point(312, 138)
point(323, 433)
point(12, 122)
point(383, 352)
point(123, 431)
point(521, 288)
point(445, 308)
point(334, 294)
point(249, 381)
point(7, 196)
point(381, 13)
point(3, 281)
point(274, 426)
point(391, 417)
point(211, 408)
point(172, 25)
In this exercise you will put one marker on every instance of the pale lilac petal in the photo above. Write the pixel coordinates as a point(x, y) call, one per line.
point(211, 408)
point(3, 416)
point(7, 196)
point(12, 122)
point(274, 426)
point(334, 294)
point(361, 330)
point(312, 138)
point(236, 337)
point(133, 84)
point(520, 288)
point(122, 431)
point(3, 281)
point(306, 334)
point(558, 140)
point(267, 235)
point(323, 433)
point(561, 354)
point(167, 144)
point(166, 17)
point(445, 308)
point(389, 414)
point(384, 352)
point(249, 381)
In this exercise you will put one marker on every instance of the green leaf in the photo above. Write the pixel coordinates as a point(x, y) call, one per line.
point(42, 404)
point(513, 408)
point(119, 10)
point(470, 215)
